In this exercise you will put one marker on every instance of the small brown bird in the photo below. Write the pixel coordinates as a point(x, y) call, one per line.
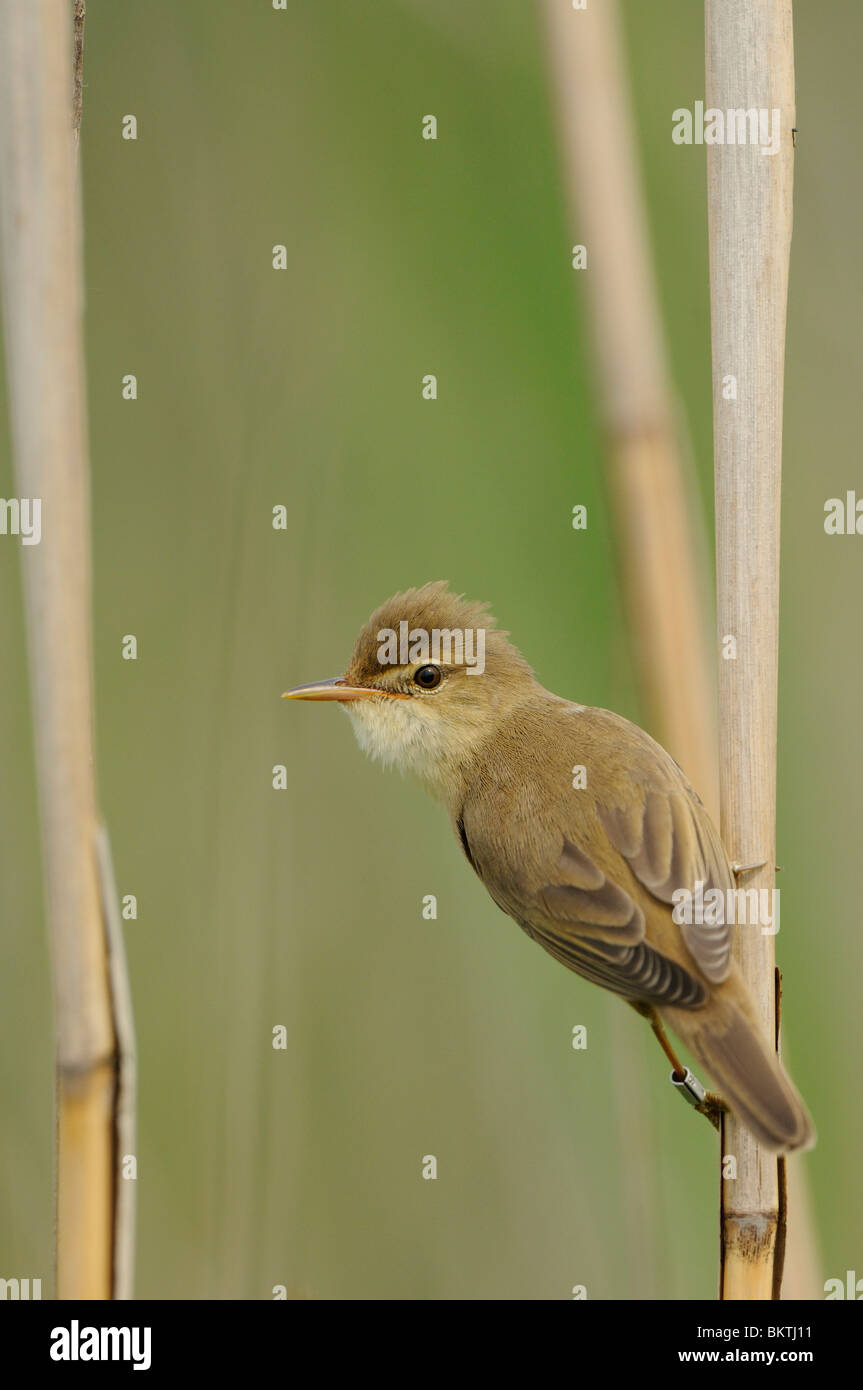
point(588, 865)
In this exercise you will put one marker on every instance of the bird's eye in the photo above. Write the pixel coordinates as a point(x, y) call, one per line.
point(429, 677)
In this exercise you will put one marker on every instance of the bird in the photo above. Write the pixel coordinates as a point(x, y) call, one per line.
point(581, 827)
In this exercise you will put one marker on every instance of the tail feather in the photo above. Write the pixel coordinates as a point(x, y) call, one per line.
point(747, 1073)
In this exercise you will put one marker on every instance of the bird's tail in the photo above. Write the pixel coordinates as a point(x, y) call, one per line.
point(734, 1052)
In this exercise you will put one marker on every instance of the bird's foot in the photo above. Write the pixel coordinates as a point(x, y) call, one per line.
point(714, 1108)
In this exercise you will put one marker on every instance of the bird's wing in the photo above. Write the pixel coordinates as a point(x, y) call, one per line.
point(669, 842)
point(585, 877)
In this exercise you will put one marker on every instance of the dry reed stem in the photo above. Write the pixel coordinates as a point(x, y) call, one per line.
point(42, 301)
point(749, 64)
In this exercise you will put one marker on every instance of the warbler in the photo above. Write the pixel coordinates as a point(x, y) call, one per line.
point(582, 828)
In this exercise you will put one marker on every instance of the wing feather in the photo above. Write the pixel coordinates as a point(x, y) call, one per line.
point(677, 848)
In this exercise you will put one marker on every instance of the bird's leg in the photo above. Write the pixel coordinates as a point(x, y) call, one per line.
point(705, 1102)
point(678, 1074)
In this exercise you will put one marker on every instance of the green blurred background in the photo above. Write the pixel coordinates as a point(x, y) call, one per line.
point(302, 907)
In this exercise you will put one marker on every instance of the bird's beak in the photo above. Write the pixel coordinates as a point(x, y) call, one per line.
point(336, 689)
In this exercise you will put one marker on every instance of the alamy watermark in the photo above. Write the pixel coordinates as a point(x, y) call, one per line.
point(716, 907)
point(20, 1289)
point(77, 1343)
point(736, 126)
point(446, 646)
point(21, 516)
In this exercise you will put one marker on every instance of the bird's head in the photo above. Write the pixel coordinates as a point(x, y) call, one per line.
point(430, 677)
